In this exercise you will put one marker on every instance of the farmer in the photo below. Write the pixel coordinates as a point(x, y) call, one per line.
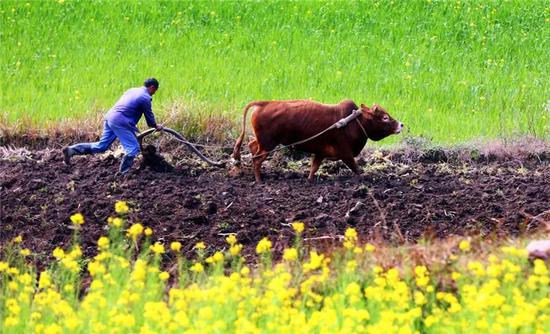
point(121, 122)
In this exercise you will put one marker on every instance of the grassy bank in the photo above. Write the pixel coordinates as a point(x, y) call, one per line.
point(450, 287)
point(450, 70)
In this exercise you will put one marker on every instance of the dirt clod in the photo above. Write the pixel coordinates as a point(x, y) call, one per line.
point(153, 160)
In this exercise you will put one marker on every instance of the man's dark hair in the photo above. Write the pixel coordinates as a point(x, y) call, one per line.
point(151, 82)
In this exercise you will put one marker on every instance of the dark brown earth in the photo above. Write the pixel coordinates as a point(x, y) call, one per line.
point(399, 198)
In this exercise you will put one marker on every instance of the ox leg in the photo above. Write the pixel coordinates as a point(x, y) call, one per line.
point(315, 164)
point(260, 155)
point(350, 162)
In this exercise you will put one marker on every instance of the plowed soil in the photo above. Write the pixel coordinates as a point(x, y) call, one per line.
point(396, 199)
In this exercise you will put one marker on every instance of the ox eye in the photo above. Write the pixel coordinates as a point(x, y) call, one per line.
point(385, 118)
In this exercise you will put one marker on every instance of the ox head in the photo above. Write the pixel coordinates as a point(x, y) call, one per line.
point(378, 123)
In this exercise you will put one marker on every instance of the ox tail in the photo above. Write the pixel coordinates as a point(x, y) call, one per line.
point(237, 148)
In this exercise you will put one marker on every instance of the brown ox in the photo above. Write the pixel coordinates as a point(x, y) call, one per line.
point(287, 122)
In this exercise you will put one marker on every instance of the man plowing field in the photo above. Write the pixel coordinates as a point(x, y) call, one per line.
point(120, 122)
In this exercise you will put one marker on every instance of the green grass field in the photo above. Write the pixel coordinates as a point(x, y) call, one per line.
point(452, 71)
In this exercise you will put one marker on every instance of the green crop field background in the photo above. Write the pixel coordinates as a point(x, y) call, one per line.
point(452, 71)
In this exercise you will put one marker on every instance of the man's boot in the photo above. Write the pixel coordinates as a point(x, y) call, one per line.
point(126, 164)
point(68, 152)
point(78, 149)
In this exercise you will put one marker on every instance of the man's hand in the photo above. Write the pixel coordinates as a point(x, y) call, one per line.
point(159, 127)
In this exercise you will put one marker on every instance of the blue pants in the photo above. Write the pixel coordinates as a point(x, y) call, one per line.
point(125, 133)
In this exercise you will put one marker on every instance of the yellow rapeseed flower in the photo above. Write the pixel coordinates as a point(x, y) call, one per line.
point(77, 219)
point(349, 244)
point(350, 238)
point(197, 267)
point(351, 266)
point(369, 247)
point(264, 246)
point(464, 245)
point(231, 239)
point(58, 253)
point(511, 250)
point(245, 271)
point(103, 243)
point(315, 261)
point(53, 329)
point(148, 231)
point(422, 276)
point(75, 253)
point(140, 270)
point(164, 276)
point(13, 286)
point(200, 245)
point(298, 227)
point(419, 298)
point(351, 234)
point(26, 279)
point(25, 252)
point(13, 271)
point(476, 267)
point(18, 239)
point(218, 257)
point(121, 207)
point(11, 321)
point(430, 320)
point(135, 231)
point(117, 222)
point(235, 249)
point(540, 268)
point(175, 246)
point(70, 264)
point(392, 275)
point(290, 254)
point(420, 271)
point(353, 288)
point(3, 266)
point(36, 316)
point(45, 280)
point(509, 277)
point(72, 322)
point(157, 248)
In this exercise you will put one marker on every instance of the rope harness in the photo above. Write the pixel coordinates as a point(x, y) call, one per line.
point(340, 124)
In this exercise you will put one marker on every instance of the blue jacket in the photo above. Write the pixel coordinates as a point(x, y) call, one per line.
point(128, 109)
